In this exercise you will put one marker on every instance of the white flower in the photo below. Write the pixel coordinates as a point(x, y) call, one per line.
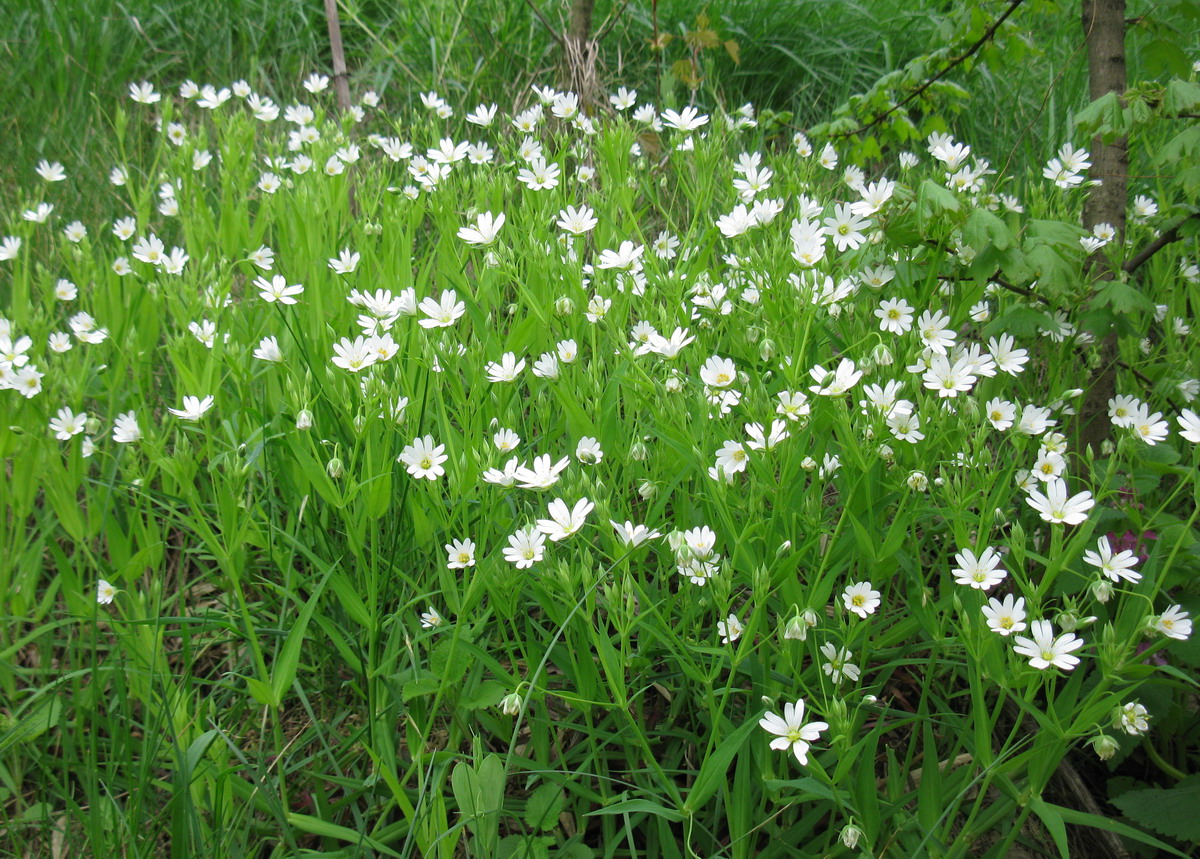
point(588, 450)
point(1057, 506)
point(484, 231)
point(1044, 650)
point(525, 548)
point(981, 572)
point(482, 115)
point(633, 535)
point(688, 119)
point(193, 408)
point(105, 592)
point(144, 93)
point(126, 429)
point(460, 554)
point(1174, 623)
point(66, 424)
point(345, 262)
point(1005, 617)
point(1189, 425)
point(268, 350)
point(277, 289)
point(430, 618)
point(730, 630)
point(625, 258)
point(895, 316)
point(1116, 567)
point(506, 370)
point(837, 383)
point(718, 372)
point(564, 521)
point(577, 221)
point(443, 312)
point(837, 663)
point(543, 474)
point(354, 355)
point(423, 458)
point(861, 599)
point(791, 732)
point(1132, 718)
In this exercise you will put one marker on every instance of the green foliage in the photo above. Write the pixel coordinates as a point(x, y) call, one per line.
point(1169, 811)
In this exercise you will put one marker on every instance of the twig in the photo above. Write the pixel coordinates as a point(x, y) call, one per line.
point(1142, 256)
point(558, 37)
point(957, 61)
point(616, 16)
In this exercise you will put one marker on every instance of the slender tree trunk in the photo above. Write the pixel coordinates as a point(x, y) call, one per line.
point(580, 52)
point(1104, 28)
point(340, 82)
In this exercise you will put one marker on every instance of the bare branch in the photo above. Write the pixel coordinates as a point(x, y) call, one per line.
point(558, 37)
point(1172, 235)
point(608, 25)
point(957, 61)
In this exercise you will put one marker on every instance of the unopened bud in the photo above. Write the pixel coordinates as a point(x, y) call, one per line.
point(1102, 590)
point(304, 419)
point(766, 349)
point(850, 836)
point(334, 468)
point(510, 704)
point(564, 306)
point(1105, 746)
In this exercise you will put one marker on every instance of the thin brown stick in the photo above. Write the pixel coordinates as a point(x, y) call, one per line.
point(608, 25)
point(558, 37)
point(341, 82)
point(957, 61)
point(1142, 257)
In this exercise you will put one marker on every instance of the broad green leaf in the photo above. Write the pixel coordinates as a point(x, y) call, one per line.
point(1082, 818)
point(544, 806)
point(283, 672)
point(714, 771)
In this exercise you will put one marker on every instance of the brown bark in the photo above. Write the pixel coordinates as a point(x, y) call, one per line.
point(340, 82)
point(1104, 28)
point(580, 52)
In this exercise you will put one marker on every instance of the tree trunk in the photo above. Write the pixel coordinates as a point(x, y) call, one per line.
point(1104, 27)
point(580, 52)
point(340, 83)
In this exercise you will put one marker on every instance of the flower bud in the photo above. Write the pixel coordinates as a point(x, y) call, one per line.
point(918, 482)
point(92, 426)
point(638, 451)
point(510, 704)
point(1102, 590)
point(795, 629)
point(766, 349)
point(882, 355)
point(564, 306)
point(647, 490)
point(850, 836)
point(334, 468)
point(1104, 746)
point(360, 423)
point(304, 419)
